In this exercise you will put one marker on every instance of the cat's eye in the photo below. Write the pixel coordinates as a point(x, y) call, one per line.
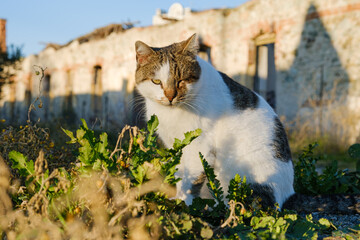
point(156, 81)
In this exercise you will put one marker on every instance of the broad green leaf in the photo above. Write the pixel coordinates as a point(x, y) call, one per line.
point(177, 144)
point(97, 165)
point(190, 136)
point(70, 135)
point(80, 134)
point(20, 162)
point(206, 233)
point(86, 153)
point(264, 222)
point(103, 143)
point(138, 173)
point(152, 124)
point(187, 225)
point(280, 222)
point(84, 123)
point(292, 217)
point(254, 221)
point(326, 224)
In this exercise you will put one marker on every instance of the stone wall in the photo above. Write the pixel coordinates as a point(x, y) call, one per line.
point(316, 56)
point(2, 36)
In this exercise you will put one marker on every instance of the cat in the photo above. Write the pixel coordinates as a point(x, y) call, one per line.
point(241, 133)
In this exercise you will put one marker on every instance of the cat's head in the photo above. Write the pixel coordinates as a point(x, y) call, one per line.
point(167, 75)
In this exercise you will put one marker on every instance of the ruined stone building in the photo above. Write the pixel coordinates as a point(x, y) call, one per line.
point(301, 55)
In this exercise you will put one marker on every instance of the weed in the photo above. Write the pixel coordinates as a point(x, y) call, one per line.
point(125, 192)
point(331, 180)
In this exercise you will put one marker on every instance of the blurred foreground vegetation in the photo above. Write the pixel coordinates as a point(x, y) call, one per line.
point(86, 189)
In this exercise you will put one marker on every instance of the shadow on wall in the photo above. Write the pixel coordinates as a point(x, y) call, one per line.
point(316, 70)
point(312, 94)
point(316, 87)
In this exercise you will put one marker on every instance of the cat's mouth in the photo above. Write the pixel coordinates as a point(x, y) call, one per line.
point(168, 103)
point(171, 104)
point(178, 102)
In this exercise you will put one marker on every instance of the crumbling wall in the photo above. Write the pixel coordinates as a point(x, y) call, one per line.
point(315, 42)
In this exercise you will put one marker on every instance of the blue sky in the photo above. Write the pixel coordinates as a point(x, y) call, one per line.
point(33, 23)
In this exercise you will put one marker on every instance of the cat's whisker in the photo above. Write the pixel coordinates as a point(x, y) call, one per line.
point(137, 106)
point(136, 99)
point(140, 116)
point(200, 102)
point(188, 105)
point(192, 107)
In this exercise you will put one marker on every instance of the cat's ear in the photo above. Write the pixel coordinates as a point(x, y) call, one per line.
point(143, 52)
point(191, 45)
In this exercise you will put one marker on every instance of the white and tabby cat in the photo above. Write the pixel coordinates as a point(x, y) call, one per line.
point(240, 132)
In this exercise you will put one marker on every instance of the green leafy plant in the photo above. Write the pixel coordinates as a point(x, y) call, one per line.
point(332, 180)
point(146, 156)
point(93, 152)
point(39, 184)
point(213, 183)
point(24, 166)
point(354, 152)
point(239, 190)
point(124, 193)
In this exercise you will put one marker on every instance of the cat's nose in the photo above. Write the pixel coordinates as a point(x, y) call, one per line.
point(170, 94)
